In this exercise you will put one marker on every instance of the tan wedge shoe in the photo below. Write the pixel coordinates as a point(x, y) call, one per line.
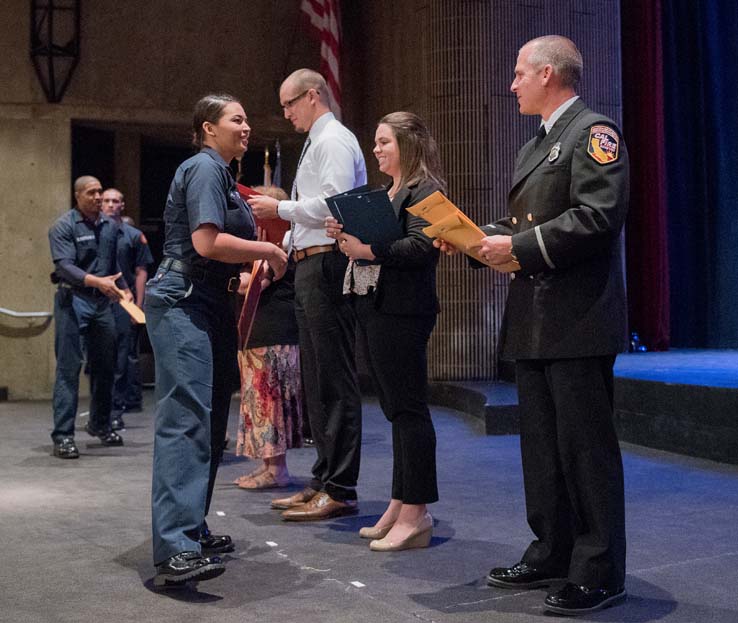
point(419, 537)
point(372, 532)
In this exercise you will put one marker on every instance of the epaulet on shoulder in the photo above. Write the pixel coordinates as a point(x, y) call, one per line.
point(62, 218)
point(590, 118)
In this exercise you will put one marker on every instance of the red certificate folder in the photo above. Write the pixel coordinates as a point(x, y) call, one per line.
point(250, 303)
point(275, 228)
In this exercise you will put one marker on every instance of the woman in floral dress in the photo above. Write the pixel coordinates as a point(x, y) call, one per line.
point(271, 393)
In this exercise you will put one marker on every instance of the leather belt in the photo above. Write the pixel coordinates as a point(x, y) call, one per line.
point(82, 290)
point(300, 254)
point(197, 273)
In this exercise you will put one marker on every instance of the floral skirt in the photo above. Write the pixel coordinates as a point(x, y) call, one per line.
point(271, 401)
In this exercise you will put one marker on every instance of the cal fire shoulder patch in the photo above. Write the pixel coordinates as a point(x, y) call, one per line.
point(604, 144)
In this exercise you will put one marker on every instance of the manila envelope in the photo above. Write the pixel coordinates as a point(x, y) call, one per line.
point(452, 225)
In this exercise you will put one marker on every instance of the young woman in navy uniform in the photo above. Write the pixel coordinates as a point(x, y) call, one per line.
point(209, 234)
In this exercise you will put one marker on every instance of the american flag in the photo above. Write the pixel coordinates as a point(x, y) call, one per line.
point(324, 18)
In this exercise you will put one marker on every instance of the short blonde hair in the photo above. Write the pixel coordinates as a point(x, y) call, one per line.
point(305, 79)
point(561, 54)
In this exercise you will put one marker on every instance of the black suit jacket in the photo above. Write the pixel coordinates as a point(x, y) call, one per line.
point(568, 202)
point(407, 279)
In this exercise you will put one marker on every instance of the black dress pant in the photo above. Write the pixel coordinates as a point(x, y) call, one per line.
point(572, 469)
point(396, 351)
point(325, 322)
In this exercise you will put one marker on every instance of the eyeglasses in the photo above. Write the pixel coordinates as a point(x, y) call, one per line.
point(294, 100)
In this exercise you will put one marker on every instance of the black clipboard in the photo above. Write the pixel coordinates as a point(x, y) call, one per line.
point(366, 214)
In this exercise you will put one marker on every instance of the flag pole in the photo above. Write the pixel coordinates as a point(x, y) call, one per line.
point(267, 169)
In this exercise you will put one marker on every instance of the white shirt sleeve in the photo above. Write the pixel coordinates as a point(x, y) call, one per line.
point(333, 159)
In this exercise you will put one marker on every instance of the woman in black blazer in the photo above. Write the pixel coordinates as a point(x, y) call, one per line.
point(395, 303)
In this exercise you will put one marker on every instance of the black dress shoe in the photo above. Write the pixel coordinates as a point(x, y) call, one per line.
point(109, 438)
point(65, 449)
point(187, 566)
point(117, 424)
point(216, 543)
point(573, 600)
point(521, 575)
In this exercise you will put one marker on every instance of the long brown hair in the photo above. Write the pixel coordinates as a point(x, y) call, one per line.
point(419, 159)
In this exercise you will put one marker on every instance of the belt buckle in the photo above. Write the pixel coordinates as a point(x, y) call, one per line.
point(233, 284)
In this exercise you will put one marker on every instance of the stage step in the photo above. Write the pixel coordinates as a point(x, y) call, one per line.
point(651, 409)
point(695, 420)
point(495, 403)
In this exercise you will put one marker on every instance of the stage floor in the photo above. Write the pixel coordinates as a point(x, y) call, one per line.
point(712, 368)
point(77, 547)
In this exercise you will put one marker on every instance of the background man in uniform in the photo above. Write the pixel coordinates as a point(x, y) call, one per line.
point(331, 162)
point(83, 248)
point(134, 258)
point(565, 320)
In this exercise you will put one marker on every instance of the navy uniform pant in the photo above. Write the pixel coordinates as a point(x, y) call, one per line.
point(192, 331)
point(127, 380)
point(133, 396)
point(78, 318)
point(572, 469)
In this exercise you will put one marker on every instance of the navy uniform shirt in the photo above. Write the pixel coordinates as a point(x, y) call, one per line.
point(79, 247)
point(133, 252)
point(204, 191)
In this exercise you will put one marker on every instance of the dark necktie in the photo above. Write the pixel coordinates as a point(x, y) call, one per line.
point(540, 135)
point(293, 196)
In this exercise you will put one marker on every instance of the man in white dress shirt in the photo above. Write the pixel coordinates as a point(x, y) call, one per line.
point(331, 162)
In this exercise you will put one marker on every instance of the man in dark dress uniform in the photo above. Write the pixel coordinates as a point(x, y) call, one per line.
point(83, 248)
point(565, 320)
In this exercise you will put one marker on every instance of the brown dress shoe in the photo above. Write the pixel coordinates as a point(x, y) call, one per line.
point(322, 506)
point(298, 499)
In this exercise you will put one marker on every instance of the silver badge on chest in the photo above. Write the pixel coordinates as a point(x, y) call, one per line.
point(554, 153)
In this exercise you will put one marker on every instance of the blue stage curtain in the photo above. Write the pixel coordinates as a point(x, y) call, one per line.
point(700, 44)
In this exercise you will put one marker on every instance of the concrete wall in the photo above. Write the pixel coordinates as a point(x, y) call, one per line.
point(34, 182)
point(142, 66)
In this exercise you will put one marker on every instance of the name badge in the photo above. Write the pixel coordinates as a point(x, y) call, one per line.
point(554, 153)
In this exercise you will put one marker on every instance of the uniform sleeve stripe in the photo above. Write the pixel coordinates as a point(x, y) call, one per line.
point(542, 247)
